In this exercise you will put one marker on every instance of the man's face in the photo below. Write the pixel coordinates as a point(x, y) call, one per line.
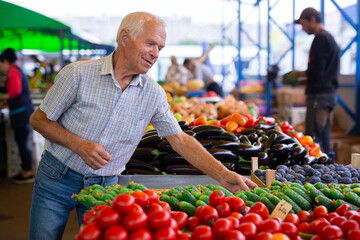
point(4, 66)
point(308, 26)
point(143, 51)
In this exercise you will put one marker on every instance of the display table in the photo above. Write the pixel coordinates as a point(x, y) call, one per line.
point(167, 181)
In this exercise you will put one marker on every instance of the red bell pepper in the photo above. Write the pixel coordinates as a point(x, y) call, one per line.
point(306, 141)
point(225, 120)
point(297, 135)
point(199, 121)
point(314, 149)
point(231, 126)
point(250, 122)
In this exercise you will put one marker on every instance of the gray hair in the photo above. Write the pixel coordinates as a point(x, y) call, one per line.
point(134, 22)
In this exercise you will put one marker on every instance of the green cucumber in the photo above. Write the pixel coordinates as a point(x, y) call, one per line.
point(196, 194)
point(259, 191)
point(98, 194)
point(187, 208)
point(241, 195)
point(204, 198)
point(225, 191)
point(326, 192)
point(253, 197)
point(355, 185)
point(270, 206)
point(327, 202)
point(274, 199)
point(301, 193)
point(353, 198)
point(298, 199)
point(295, 207)
point(312, 192)
point(249, 203)
point(297, 185)
point(188, 197)
point(357, 191)
point(335, 194)
point(173, 192)
point(200, 203)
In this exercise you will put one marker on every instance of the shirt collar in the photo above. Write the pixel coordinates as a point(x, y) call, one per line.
point(107, 69)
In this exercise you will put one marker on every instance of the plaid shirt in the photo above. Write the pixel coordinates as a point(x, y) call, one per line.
point(87, 100)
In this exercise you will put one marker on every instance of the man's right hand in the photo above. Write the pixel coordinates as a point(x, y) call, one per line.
point(93, 155)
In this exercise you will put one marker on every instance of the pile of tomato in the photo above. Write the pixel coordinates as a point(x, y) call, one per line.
point(343, 223)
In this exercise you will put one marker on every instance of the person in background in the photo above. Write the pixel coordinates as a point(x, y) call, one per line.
point(17, 95)
point(93, 118)
point(203, 72)
point(177, 73)
point(321, 76)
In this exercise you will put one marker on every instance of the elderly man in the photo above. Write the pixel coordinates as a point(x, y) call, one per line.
point(93, 118)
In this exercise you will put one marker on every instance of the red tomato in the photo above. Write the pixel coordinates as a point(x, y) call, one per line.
point(107, 217)
point(349, 225)
point(277, 219)
point(183, 236)
point(316, 237)
point(174, 225)
point(350, 213)
point(208, 215)
point(153, 197)
point(304, 216)
point(160, 219)
point(263, 236)
point(318, 225)
point(271, 226)
point(165, 206)
point(353, 234)
point(292, 218)
point(253, 218)
point(320, 212)
point(165, 234)
point(141, 198)
point(141, 234)
point(135, 220)
point(248, 229)
point(223, 209)
point(236, 215)
point(303, 227)
point(90, 232)
point(181, 218)
point(355, 218)
point(153, 207)
point(88, 216)
point(221, 227)
point(260, 209)
point(236, 203)
point(216, 197)
point(136, 208)
point(245, 210)
point(202, 232)
point(337, 221)
point(97, 208)
point(331, 216)
point(123, 203)
point(116, 232)
point(193, 223)
point(290, 230)
point(343, 209)
point(332, 232)
point(234, 222)
point(235, 235)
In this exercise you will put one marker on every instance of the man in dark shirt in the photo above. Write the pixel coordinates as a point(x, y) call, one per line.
point(322, 78)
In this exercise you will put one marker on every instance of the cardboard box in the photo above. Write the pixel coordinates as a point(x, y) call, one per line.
point(290, 97)
point(343, 147)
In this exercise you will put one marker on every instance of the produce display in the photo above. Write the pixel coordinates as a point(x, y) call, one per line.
point(179, 213)
point(331, 173)
point(233, 140)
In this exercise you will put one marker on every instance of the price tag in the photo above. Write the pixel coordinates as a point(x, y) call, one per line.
point(281, 210)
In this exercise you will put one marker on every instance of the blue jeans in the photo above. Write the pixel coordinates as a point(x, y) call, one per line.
point(318, 116)
point(22, 141)
point(52, 199)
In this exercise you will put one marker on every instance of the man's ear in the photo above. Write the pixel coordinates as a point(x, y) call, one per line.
point(124, 37)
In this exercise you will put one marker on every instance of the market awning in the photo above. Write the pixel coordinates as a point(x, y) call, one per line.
point(21, 28)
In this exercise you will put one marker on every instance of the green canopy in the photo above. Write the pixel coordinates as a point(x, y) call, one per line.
point(21, 28)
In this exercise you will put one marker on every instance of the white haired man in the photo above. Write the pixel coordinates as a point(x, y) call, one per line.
point(94, 117)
